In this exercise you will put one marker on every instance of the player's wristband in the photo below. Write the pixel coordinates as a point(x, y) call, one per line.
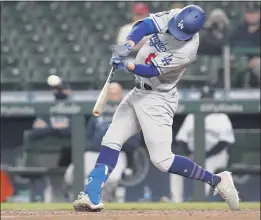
point(125, 64)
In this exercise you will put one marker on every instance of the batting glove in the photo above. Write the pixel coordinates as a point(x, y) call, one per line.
point(118, 63)
point(122, 49)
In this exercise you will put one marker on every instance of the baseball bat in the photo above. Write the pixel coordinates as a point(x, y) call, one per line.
point(102, 99)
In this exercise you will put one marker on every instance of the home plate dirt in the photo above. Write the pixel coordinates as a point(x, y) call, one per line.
point(246, 214)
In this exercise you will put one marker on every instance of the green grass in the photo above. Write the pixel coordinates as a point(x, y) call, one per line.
point(130, 206)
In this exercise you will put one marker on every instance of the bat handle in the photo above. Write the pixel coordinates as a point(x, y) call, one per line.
point(110, 75)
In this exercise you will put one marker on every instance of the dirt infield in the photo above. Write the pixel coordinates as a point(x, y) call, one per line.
point(246, 214)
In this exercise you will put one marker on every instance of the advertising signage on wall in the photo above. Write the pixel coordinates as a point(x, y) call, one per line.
point(72, 108)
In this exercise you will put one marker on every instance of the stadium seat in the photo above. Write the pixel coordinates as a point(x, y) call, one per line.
point(5, 49)
point(73, 29)
point(232, 9)
point(10, 75)
point(12, 79)
point(10, 68)
point(9, 61)
point(41, 160)
point(81, 73)
point(40, 67)
point(197, 74)
point(240, 76)
point(33, 42)
point(245, 153)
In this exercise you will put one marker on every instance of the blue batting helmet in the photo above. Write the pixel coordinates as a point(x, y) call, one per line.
point(187, 22)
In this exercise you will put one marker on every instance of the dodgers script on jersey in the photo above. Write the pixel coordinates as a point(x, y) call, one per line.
point(169, 55)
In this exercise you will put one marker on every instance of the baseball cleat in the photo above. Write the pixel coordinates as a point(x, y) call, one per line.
point(227, 190)
point(83, 204)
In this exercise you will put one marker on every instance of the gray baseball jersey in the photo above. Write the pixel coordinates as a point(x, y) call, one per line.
point(152, 111)
point(170, 56)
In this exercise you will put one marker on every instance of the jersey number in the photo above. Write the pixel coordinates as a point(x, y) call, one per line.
point(150, 56)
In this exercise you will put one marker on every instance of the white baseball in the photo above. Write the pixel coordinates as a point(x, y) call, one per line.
point(54, 80)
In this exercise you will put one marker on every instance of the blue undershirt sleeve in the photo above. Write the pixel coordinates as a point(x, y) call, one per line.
point(142, 29)
point(146, 71)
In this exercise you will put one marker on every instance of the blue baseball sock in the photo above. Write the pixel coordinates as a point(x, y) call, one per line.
point(187, 168)
point(105, 164)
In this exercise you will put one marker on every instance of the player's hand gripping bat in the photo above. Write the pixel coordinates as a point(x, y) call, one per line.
point(102, 99)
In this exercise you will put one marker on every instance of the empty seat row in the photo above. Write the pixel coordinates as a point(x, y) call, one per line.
point(74, 39)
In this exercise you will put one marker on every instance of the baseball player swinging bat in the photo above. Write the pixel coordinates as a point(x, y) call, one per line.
point(151, 105)
point(102, 99)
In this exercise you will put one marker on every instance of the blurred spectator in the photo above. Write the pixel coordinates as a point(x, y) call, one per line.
point(96, 129)
point(213, 36)
point(219, 136)
point(97, 126)
point(54, 124)
point(247, 35)
point(139, 11)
